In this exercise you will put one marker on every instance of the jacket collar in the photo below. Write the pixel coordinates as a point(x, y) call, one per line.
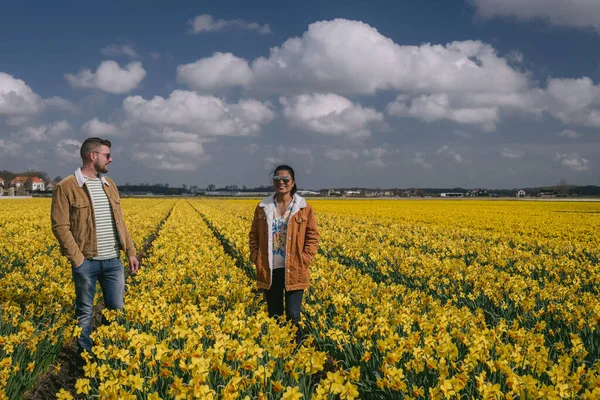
point(81, 179)
point(269, 202)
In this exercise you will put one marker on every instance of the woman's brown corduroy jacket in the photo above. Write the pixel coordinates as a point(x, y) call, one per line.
point(302, 243)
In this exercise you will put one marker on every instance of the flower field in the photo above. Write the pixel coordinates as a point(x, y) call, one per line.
point(408, 299)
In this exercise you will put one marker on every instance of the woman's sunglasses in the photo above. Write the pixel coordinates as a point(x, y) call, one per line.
point(285, 179)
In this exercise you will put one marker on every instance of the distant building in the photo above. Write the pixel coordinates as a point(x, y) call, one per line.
point(547, 193)
point(521, 193)
point(352, 193)
point(308, 193)
point(18, 181)
point(35, 184)
point(2, 182)
point(451, 195)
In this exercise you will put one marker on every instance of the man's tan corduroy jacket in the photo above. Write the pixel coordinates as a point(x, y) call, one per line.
point(302, 244)
point(73, 223)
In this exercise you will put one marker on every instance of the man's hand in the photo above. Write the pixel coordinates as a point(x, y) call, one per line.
point(134, 265)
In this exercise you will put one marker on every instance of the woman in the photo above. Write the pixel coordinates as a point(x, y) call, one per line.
point(283, 241)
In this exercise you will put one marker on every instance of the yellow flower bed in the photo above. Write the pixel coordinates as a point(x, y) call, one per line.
point(452, 298)
point(194, 328)
point(36, 290)
point(413, 299)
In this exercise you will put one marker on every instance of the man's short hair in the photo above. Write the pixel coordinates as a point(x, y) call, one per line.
point(90, 145)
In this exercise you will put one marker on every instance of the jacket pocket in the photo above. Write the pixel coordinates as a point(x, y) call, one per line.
point(80, 212)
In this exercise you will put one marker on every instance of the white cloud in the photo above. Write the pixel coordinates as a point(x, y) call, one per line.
point(451, 154)
point(569, 133)
point(172, 150)
point(439, 106)
point(339, 56)
point(569, 13)
point(203, 115)
point(45, 132)
point(59, 103)
point(119, 49)
point(419, 159)
point(17, 98)
point(289, 152)
point(109, 77)
point(573, 161)
point(206, 23)
point(376, 156)
point(340, 154)
point(9, 148)
point(511, 153)
point(163, 161)
point(574, 101)
point(218, 71)
point(67, 151)
point(94, 127)
point(330, 114)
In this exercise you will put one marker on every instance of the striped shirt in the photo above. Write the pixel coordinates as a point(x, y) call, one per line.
point(106, 230)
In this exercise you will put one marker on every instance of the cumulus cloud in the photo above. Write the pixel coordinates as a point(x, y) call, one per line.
point(206, 23)
point(58, 103)
point(572, 13)
point(164, 161)
point(441, 106)
point(340, 154)
point(203, 115)
point(94, 127)
point(8, 147)
point(17, 98)
point(67, 151)
point(109, 77)
point(338, 56)
point(172, 150)
point(119, 49)
point(573, 161)
point(215, 72)
point(451, 154)
point(574, 101)
point(330, 114)
point(511, 153)
point(569, 133)
point(45, 132)
point(419, 159)
point(376, 155)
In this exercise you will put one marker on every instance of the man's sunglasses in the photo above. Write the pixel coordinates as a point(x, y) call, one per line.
point(285, 179)
point(107, 155)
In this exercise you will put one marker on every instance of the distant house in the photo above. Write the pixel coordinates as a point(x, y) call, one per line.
point(547, 193)
point(451, 195)
point(2, 182)
point(35, 184)
point(521, 193)
point(18, 181)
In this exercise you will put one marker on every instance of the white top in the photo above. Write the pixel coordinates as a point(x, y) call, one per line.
point(106, 229)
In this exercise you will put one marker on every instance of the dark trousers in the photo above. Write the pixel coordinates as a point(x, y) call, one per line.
point(293, 301)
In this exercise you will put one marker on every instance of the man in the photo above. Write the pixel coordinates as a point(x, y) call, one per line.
point(88, 223)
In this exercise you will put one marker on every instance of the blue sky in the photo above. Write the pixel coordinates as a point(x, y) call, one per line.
point(472, 93)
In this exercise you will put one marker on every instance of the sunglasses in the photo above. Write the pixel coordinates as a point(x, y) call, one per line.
point(285, 179)
point(107, 155)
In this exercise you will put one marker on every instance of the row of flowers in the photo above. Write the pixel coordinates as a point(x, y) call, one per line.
point(36, 290)
point(194, 327)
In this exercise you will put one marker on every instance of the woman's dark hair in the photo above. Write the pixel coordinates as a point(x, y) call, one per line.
point(291, 171)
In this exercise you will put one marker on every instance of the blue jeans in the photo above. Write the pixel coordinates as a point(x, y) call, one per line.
point(111, 275)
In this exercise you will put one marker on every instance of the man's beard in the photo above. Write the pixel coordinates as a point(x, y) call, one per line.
point(101, 169)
